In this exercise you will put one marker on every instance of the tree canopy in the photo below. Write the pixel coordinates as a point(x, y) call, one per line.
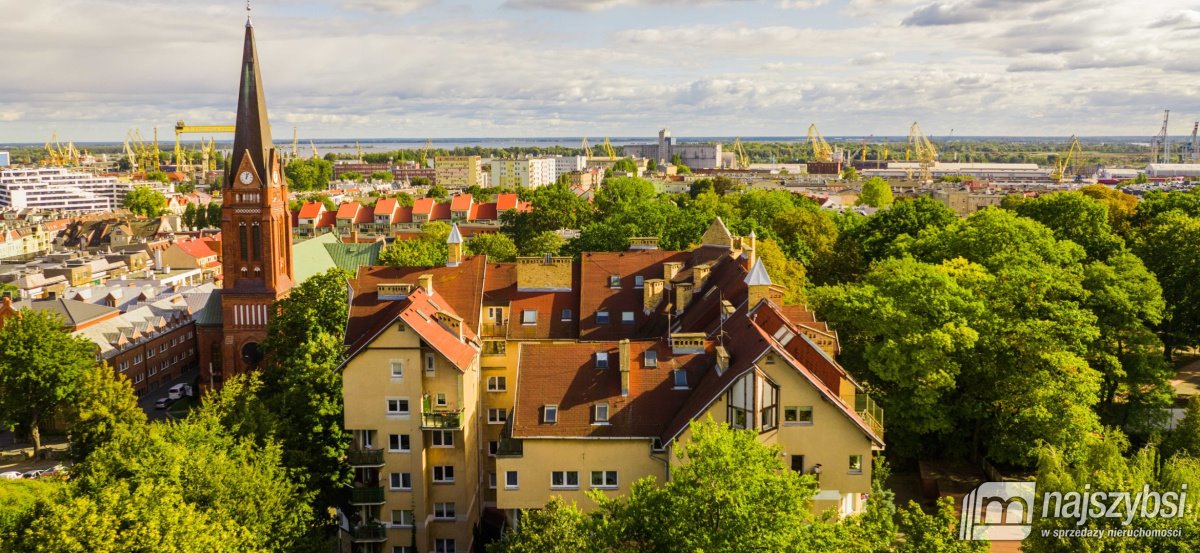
point(145, 201)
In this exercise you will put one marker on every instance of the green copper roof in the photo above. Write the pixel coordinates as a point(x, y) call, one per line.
point(311, 258)
point(352, 256)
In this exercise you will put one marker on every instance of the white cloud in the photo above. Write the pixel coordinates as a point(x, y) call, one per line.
point(598, 5)
point(396, 7)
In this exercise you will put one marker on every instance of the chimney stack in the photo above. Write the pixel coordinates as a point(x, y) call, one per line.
point(426, 283)
point(623, 354)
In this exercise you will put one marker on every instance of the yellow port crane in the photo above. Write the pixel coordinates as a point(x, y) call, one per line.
point(740, 159)
point(922, 150)
point(1063, 163)
point(130, 156)
point(147, 155)
point(608, 150)
point(184, 128)
point(53, 151)
point(423, 160)
point(295, 143)
point(821, 151)
point(587, 149)
point(314, 149)
point(208, 155)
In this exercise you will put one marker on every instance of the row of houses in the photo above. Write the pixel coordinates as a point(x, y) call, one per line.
point(387, 218)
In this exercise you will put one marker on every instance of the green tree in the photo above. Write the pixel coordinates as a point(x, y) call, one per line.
point(145, 201)
point(305, 175)
point(382, 176)
point(404, 199)
point(214, 215)
point(158, 176)
point(850, 173)
point(189, 215)
point(938, 532)
point(437, 192)
point(625, 165)
point(352, 176)
point(104, 408)
point(1075, 217)
point(1185, 438)
point(200, 218)
point(558, 528)
point(41, 368)
point(497, 247)
point(785, 272)
point(1169, 245)
point(876, 192)
point(419, 182)
point(622, 194)
point(429, 250)
point(547, 242)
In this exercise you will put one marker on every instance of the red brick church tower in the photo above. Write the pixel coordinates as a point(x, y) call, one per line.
point(256, 246)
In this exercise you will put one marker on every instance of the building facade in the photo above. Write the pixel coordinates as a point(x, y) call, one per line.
point(458, 171)
point(61, 189)
point(695, 156)
point(256, 235)
point(522, 173)
point(553, 376)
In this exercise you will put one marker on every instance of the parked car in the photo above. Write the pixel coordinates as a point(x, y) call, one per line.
point(55, 471)
point(162, 402)
point(33, 473)
point(11, 475)
point(179, 390)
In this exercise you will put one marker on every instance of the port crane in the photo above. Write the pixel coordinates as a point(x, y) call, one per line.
point(821, 151)
point(740, 159)
point(1063, 163)
point(922, 150)
point(183, 128)
point(609, 150)
point(587, 149)
point(1161, 143)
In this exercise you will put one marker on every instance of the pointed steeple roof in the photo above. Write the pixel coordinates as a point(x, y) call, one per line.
point(253, 133)
point(455, 236)
point(717, 234)
point(758, 275)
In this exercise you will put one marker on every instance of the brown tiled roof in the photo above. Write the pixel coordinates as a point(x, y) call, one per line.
point(418, 312)
point(461, 287)
point(328, 219)
point(726, 281)
point(596, 295)
point(365, 215)
point(196, 248)
point(565, 375)
point(500, 289)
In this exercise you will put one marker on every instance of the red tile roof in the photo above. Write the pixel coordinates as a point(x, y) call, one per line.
point(418, 313)
point(196, 248)
point(386, 206)
point(565, 375)
point(328, 219)
point(311, 210)
point(484, 212)
point(461, 287)
point(348, 210)
point(505, 202)
point(403, 215)
point(461, 202)
point(441, 212)
point(423, 206)
point(365, 215)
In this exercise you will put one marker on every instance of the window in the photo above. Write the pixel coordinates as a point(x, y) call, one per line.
point(122, 366)
point(657, 445)
point(140, 378)
point(397, 406)
point(443, 474)
point(550, 414)
point(528, 317)
point(639, 281)
point(442, 438)
point(650, 358)
point(604, 478)
point(510, 480)
point(602, 317)
point(497, 383)
point(443, 511)
point(492, 480)
point(770, 359)
point(856, 464)
point(400, 480)
point(798, 415)
point(397, 368)
point(601, 359)
point(173, 342)
point(366, 438)
point(150, 353)
point(153, 370)
point(614, 281)
point(137, 359)
point(497, 416)
point(398, 443)
point(443, 545)
point(627, 317)
point(769, 415)
point(428, 364)
point(740, 403)
point(600, 413)
point(162, 348)
point(784, 335)
point(680, 380)
point(798, 463)
point(493, 447)
point(440, 400)
point(564, 479)
point(566, 314)
point(402, 518)
point(402, 549)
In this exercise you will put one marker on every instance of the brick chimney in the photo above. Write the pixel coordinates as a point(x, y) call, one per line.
point(670, 269)
point(683, 296)
point(426, 283)
point(652, 293)
point(623, 354)
point(700, 275)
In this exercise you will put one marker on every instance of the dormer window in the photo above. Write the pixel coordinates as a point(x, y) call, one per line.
point(680, 378)
point(529, 317)
point(550, 413)
point(614, 281)
point(566, 315)
point(600, 413)
point(784, 335)
point(639, 281)
point(650, 358)
point(601, 359)
point(602, 317)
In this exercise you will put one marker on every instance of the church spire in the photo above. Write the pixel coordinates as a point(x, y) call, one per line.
point(253, 134)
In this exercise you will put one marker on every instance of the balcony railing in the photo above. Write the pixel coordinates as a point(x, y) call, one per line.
point(871, 413)
point(370, 532)
point(366, 496)
point(365, 457)
point(495, 329)
point(441, 420)
point(494, 347)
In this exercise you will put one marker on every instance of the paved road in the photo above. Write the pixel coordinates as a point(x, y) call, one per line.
point(146, 402)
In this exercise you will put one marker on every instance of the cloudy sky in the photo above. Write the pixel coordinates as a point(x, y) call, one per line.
point(93, 69)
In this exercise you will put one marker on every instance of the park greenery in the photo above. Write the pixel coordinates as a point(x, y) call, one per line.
point(304, 175)
point(145, 201)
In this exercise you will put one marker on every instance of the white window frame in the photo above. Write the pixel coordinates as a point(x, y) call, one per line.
point(639, 282)
point(397, 368)
point(614, 281)
point(675, 377)
point(497, 384)
point(443, 474)
point(400, 443)
point(512, 480)
point(604, 480)
point(627, 318)
point(650, 358)
point(550, 413)
point(445, 510)
point(444, 545)
point(601, 360)
point(491, 480)
point(446, 437)
point(850, 464)
point(409, 523)
point(597, 410)
point(396, 481)
point(501, 419)
point(402, 405)
point(564, 479)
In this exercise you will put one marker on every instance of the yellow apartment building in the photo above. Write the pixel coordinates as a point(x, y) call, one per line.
point(458, 171)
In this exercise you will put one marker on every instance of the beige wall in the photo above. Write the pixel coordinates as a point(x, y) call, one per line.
point(631, 459)
point(367, 386)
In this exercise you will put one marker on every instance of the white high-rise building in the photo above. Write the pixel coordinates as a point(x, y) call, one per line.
point(568, 164)
point(4, 159)
point(55, 188)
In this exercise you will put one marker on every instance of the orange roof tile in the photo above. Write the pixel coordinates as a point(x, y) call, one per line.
point(196, 248)
point(311, 210)
point(423, 206)
point(348, 210)
point(386, 206)
point(461, 202)
point(505, 202)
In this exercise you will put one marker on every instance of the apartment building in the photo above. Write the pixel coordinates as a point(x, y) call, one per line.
point(553, 376)
point(523, 173)
point(387, 218)
point(458, 171)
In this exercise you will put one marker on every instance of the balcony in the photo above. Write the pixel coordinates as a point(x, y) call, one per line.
point(365, 457)
point(495, 329)
point(441, 420)
point(366, 496)
point(494, 347)
point(871, 413)
point(369, 533)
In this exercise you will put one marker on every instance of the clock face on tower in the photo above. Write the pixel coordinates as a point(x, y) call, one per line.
point(246, 177)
